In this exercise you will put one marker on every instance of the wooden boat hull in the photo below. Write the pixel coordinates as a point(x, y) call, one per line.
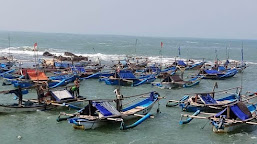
point(14, 109)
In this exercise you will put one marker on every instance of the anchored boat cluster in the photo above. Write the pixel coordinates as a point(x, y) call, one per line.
point(57, 82)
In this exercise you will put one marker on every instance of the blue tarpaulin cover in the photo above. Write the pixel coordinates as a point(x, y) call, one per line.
point(208, 99)
point(106, 109)
point(212, 71)
point(238, 112)
point(220, 113)
point(3, 65)
point(79, 69)
point(62, 65)
point(125, 74)
point(221, 68)
point(102, 109)
point(181, 63)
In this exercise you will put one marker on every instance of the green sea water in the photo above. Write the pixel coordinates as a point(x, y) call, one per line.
point(41, 127)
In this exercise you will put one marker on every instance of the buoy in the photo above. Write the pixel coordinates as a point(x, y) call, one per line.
point(19, 137)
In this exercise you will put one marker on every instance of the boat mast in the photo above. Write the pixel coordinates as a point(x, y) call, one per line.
point(99, 62)
point(161, 56)
point(242, 68)
point(9, 46)
point(216, 65)
point(242, 53)
point(136, 47)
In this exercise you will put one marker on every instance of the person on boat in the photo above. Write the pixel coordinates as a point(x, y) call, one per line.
point(119, 98)
point(76, 82)
point(75, 89)
point(18, 93)
point(40, 91)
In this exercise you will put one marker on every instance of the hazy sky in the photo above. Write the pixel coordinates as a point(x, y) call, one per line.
point(168, 18)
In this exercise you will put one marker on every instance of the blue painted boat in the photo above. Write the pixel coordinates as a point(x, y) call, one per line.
point(7, 73)
point(195, 66)
point(98, 75)
point(205, 102)
point(57, 81)
point(101, 112)
point(127, 78)
point(235, 116)
point(239, 116)
point(216, 74)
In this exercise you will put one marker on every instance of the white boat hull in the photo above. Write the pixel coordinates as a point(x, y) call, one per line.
point(89, 124)
point(229, 128)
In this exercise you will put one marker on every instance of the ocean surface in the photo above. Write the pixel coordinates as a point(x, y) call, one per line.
point(41, 127)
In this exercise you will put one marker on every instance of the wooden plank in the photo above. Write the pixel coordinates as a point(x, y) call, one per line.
point(115, 119)
point(142, 115)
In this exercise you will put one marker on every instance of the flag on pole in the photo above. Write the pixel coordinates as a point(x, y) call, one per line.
point(35, 47)
point(161, 44)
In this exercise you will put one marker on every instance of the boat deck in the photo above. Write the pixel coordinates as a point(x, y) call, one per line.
point(133, 111)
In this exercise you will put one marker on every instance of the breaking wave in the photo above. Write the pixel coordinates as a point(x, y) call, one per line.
point(26, 52)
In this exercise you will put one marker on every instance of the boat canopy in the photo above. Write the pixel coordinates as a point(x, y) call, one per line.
point(126, 74)
point(221, 68)
point(61, 95)
point(238, 110)
point(241, 111)
point(176, 78)
point(37, 75)
point(79, 69)
point(62, 64)
point(106, 109)
point(181, 63)
point(207, 99)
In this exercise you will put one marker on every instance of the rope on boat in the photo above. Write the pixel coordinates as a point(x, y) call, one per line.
point(137, 95)
point(133, 100)
point(216, 91)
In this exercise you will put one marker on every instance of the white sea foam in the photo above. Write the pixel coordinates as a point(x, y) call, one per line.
point(25, 51)
point(192, 42)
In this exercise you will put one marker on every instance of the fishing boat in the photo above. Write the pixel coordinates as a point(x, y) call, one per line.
point(174, 81)
point(217, 74)
point(30, 78)
point(127, 78)
point(22, 106)
point(189, 65)
point(59, 98)
point(235, 116)
point(195, 66)
point(96, 75)
point(101, 112)
point(205, 101)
